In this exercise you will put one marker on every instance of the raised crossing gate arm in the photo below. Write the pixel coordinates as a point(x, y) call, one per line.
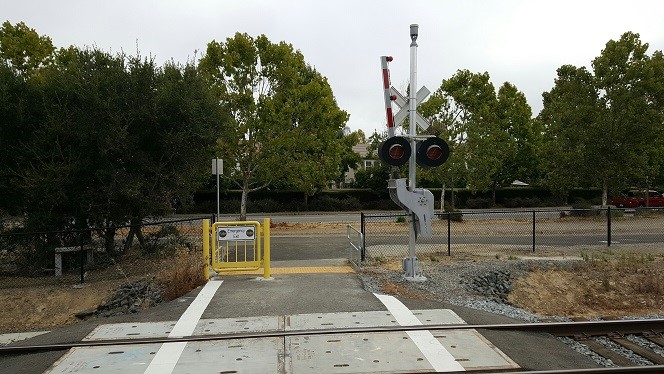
point(237, 246)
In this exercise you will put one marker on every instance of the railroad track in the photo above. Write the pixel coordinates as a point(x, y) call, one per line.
point(584, 332)
point(626, 336)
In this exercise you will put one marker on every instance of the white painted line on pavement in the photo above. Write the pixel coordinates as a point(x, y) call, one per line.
point(169, 353)
point(440, 359)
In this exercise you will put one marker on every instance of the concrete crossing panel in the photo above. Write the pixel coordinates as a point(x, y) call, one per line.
point(386, 352)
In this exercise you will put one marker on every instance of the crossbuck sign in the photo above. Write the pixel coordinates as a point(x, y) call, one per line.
point(402, 102)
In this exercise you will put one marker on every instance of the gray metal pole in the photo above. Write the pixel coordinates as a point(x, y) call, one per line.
point(411, 271)
point(216, 169)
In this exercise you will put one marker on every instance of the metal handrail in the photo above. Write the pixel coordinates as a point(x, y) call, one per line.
point(357, 247)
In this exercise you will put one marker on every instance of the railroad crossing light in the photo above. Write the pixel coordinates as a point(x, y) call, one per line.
point(394, 151)
point(432, 152)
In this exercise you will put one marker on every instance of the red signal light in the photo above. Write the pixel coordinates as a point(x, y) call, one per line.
point(389, 58)
point(394, 151)
point(432, 152)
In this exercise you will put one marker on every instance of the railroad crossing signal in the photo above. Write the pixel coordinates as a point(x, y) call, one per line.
point(430, 152)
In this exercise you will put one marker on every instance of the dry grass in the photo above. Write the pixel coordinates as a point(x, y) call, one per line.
point(181, 274)
point(606, 284)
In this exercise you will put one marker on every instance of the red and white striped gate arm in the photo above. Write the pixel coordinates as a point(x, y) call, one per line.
point(386, 93)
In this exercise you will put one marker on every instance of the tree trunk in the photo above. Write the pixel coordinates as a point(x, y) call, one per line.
point(605, 193)
point(493, 193)
point(109, 239)
point(134, 230)
point(306, 201)
point(243, 201)
point(647, 194)
point(442, 199)
point(452, 198)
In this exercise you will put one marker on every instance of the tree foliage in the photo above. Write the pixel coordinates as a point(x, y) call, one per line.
point(23, 48)
point(491, 136)
point(96, 139)
point(603, 127)
point(286, 120)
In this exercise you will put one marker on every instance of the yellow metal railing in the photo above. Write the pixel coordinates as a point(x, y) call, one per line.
point(236, 246)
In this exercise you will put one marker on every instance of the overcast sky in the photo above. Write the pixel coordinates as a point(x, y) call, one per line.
point(522, 42)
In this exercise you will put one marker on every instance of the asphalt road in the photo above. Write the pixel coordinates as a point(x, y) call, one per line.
point(566, 240)
point(354, 217)
point(289, 248)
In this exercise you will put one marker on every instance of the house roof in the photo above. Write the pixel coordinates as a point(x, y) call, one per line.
point(361, 149)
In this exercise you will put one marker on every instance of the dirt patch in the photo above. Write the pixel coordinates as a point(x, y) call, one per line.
point(394, 288)
point(630, 285)
point(596, 283)
point(47, 307)
point(48, 302)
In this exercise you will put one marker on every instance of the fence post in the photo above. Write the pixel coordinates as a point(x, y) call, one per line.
point(449, 231)
point(533, 231)
point(81, 256)
point(266, 248)
point(608, 226)
point(364, 244)
point(206, 249)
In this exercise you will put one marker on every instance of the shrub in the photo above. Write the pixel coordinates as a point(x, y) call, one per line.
point(523, 202)
point(454, 214)
point(641, 211)
point(479, 203)
point(265, 206)
point(617, 213)
point(183, 274)
point(583, 208)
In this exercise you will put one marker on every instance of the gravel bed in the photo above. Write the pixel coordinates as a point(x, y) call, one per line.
point(636, 359)
point(584, 350)
point(481, 285)
point(647, 344)
point(484, 285)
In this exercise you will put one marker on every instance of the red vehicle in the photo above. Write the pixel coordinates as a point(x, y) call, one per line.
point(638, 198)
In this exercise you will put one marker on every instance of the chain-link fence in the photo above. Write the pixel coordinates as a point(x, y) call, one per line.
point(494, 231)
point(103, 253)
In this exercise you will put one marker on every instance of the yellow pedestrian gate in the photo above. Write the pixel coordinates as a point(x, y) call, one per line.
point(236, 246)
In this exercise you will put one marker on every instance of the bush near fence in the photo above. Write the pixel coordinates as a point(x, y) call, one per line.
point(27, 258)
point(269, 201)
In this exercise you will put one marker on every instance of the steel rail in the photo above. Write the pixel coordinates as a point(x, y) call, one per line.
point(556, 328)
point(629, 369)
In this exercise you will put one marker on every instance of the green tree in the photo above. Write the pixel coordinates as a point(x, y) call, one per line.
point(23, 48)
point(604, 128)
point(492, 136)
point(374, 178)
point(349, 158)
point(569, 109)
point(523, 140)
point(286, 120)
point(112, 139)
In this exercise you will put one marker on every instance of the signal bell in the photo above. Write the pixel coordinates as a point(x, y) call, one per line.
point(394, 151)
point(432, 152)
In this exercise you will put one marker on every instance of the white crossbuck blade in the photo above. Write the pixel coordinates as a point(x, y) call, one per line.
point(402, 102)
